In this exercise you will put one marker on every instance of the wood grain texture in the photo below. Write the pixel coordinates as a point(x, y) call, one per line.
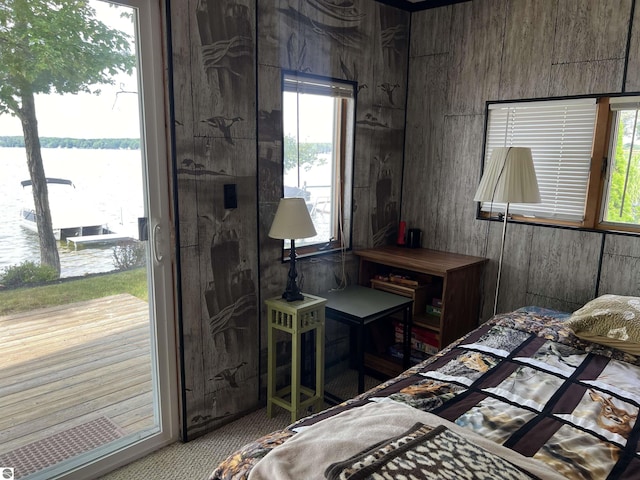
point(530, 29)
point(183, 58)
point(477, 36)
point(622, 245)
point(378, 164)
point(620, 266)
point(372, 52)
point(216, 144)
point(273, 27)
point(187, 214)
point(459, 275)
point(564, 264)
point(363, 153)
point(588, 31)
point(461, 303)
point(515, 266)
point(566, 306)
point(430, 30)
point(527, 49)
point(193, 331)
point(620, 275)
point(423, 260)
point(456, 229)
point(270, 172)
point(225, 68)
point(385, 181)
point(424, 143)
point(582, 78)
point(390, 36)
point(72, 363)
point(361, 236)
point(270, 104)
point(632, 81)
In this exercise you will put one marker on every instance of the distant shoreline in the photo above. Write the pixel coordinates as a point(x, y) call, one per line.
point(67, 142)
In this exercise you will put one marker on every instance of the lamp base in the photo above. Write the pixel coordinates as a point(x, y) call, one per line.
point(291, 296)
point(292, 293)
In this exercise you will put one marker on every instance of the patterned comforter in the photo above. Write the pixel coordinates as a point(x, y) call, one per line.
point(523, 381)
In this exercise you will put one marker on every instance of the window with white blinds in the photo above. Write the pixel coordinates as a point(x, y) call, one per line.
point(560, 135)
point(310, 85)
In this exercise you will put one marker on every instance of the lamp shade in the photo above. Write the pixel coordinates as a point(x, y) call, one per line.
point(509, 177)
point(292, 220)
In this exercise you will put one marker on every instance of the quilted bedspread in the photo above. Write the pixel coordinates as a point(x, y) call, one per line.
point(523, 381)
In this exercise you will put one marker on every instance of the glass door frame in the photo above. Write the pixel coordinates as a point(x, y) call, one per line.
point(162, 255)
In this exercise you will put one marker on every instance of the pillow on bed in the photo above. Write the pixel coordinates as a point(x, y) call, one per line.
point(611, 320)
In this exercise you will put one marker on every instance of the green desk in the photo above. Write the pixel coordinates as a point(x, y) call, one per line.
point(359, 306)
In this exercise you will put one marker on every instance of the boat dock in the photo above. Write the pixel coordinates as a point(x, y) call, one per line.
point(104, 238)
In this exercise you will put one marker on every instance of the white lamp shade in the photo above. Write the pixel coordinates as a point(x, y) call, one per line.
point(292, 220)
point(509, 177)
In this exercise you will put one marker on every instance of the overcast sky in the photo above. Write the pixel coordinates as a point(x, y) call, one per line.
point(83, 115)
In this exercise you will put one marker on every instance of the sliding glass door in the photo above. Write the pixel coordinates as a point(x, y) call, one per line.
point(88, 377)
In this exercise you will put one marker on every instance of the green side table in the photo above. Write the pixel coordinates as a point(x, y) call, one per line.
point(295, 318)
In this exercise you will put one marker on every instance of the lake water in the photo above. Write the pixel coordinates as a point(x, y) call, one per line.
point(110, 180)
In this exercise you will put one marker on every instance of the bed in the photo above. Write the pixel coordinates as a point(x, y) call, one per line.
point(529, 394)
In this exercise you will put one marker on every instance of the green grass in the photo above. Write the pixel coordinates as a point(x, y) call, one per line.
point(77, 290)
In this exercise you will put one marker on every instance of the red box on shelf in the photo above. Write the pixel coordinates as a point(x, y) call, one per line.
point(422, 339)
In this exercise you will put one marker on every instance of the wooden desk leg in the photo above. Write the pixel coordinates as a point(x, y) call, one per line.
point(296, 356)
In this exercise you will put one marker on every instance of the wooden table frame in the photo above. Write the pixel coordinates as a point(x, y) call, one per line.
point(295, 318)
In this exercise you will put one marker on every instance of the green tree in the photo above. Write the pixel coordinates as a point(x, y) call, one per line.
point(304, 153)
point(52, 46)
point(616, 210)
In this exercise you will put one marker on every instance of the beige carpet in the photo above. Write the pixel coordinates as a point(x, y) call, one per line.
point(196, 459)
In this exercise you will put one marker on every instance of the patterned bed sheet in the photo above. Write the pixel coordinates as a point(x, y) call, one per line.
point(524, 381)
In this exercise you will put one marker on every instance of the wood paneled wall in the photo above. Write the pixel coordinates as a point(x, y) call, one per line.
point(466, 54)
point(227, 62)
point(214, 51)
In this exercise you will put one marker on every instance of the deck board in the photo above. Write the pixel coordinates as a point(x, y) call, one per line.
point(63, 366)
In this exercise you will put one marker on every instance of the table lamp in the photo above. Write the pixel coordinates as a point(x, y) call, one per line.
point(292, 221)
point(509, 177)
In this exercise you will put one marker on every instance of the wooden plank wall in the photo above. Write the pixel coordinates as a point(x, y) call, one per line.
point(466, 54)
point(215, 126)
point(372, 51)
point(227, 62)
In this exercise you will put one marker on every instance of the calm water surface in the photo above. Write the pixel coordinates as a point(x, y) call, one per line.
point(110, 180)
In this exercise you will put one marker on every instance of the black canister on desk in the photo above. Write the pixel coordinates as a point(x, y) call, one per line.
point(414, 238)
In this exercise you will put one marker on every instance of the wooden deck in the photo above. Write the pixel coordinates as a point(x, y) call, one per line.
point(64, 366)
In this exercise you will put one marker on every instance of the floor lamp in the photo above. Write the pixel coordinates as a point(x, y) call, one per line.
point(509, 177)
point(292, 221)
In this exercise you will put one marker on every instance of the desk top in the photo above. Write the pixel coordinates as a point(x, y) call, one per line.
point(363, 303)
point(421, 260)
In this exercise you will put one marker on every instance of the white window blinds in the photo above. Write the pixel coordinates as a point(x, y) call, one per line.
point(560, 135)
point(306, 84)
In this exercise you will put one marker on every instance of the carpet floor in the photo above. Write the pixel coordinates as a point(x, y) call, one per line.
point(196, 459)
